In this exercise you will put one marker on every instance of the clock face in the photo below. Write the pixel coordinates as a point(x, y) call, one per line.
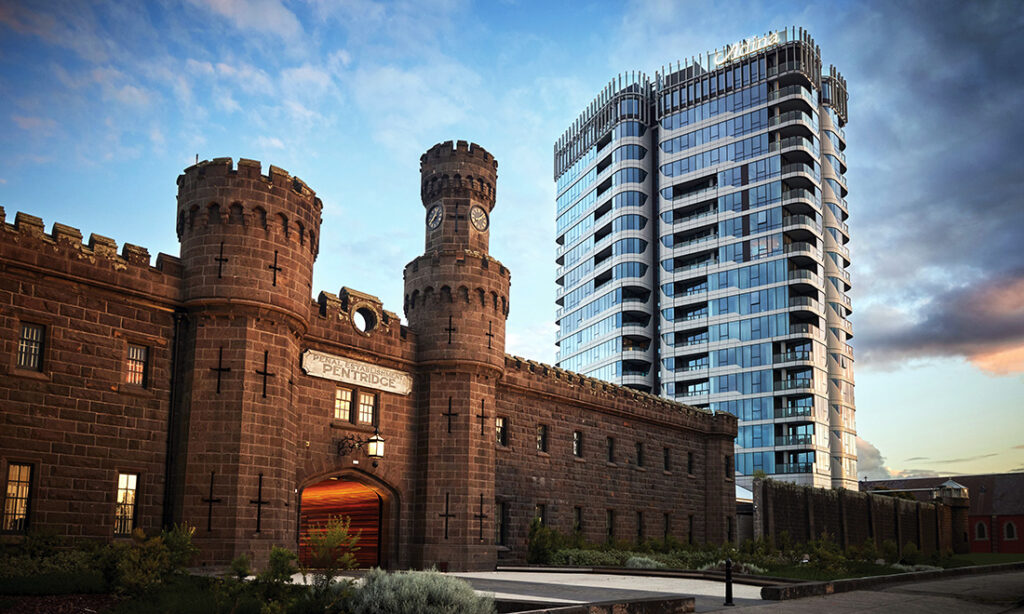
point(479, 218)
point(434, 216)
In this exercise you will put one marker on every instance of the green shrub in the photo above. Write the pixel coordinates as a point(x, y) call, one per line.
point(587, 558)
point(241, 567)
point(911, 555)
point(179, 545)
point(890, 551)
point(643, 562)
point(543, 543)
point(417, 592)
point(54, 583)
point(144, 565)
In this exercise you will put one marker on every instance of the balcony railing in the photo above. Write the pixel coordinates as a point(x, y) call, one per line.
point(694, 316)
point(792, 116)
point(791, 356)
point(696, 265)
point(792, 384)
point(800, 168)
point(803, 329)
point(695, 216)
point(802, 301)
point(695, 291)
point(691, 342)
point(799, 193)
point(793, 411)
point(703, 239)
point(691, 368)
point(803, 274)
point(798, 220)
point(802, 439)
point(792, 90)
point(791, 141)
point(794, 467)
point(801, 247)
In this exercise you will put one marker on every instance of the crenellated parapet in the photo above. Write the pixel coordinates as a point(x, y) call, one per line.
point(570, 387)
point(62, 252)
point(213, 193)
point(247, 239)
point(458, 169)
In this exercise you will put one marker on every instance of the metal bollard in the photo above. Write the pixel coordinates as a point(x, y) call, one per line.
point(728, 582)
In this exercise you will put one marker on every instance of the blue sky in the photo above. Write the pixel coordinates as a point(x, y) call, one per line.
point(104, 103)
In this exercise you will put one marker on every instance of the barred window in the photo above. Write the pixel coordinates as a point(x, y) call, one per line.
point(540, 512)
point(577, 444)
point(501, 430)
point(124, 511)
point(577, 520)
point(639, 454)
point(542, 438)
point(19, 490)
point(610, 524)
point(30, 347)
point(367, 408)
point(343, 404)
point(138, 365)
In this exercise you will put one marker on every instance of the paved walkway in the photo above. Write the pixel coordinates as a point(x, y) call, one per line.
point(570, 588)
point(984, 594)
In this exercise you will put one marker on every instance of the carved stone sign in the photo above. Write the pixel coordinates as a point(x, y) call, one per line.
point(329, 366)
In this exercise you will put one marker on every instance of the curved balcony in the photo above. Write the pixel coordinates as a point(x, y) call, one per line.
point(796, 143)
point(800, 194)
point(795, 221)
point(800, 383)
point(798, 356)
point(798, 247)
point(802, 440)
point(794, 467)
point(794, 412)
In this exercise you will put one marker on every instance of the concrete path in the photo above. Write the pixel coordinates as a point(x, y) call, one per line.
point(991, 593)
point(584, 587)
point(984, 594)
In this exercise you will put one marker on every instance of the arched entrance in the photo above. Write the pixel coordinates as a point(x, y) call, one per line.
point(339, 497)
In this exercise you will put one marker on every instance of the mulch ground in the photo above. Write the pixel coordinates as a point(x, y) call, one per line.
point(56, 604)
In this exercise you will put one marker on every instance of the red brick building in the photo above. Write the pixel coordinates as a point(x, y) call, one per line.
point(996, 513)
point(211, 389)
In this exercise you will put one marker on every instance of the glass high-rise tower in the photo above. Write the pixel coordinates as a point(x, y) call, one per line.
point(701, 230)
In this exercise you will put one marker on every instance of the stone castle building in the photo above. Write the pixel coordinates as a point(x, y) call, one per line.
point(211, 389)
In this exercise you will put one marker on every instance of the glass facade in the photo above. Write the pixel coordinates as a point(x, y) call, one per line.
point(701, 251)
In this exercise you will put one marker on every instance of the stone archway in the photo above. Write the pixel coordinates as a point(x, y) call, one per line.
point(371, 508)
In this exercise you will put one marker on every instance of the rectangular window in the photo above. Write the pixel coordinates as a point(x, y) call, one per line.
point(728, 466)
point(577, 520)
point(611, 449)
point(501, 430)
point(367, 408)
point(124, 511)
point(689, 532)
point(138, 365)
point(639, 527)
point(728, 529)
point(30, 347)
point(666, 459)
point(540, 512)
point(343, 404)
point(577, 444)
point(639, 454)
point(19, 490)
point(500, 523)
point(542, 437)
point(689, 463)
point(667, 526)
point(609, 524)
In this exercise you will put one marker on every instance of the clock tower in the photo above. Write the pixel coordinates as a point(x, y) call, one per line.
point(456, 301)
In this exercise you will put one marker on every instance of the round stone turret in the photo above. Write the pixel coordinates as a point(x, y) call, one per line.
point(247, 239)
point(457, 187)
point(456, 295)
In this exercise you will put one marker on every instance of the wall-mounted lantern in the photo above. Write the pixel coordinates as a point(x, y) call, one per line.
point(374, 445)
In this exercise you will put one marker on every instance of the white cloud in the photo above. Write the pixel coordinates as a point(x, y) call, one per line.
point(250, 79)
point(42, 126)
point(264, 16)
point(269, 142)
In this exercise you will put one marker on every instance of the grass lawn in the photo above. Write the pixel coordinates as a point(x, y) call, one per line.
point(987, 558)
point(855, 569)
